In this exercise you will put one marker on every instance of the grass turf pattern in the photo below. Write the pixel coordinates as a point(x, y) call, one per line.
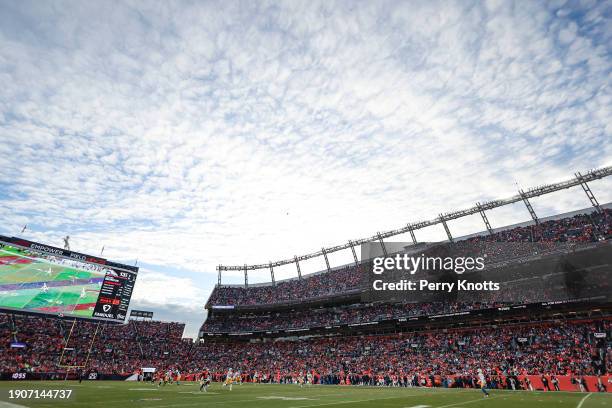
point(105, 394)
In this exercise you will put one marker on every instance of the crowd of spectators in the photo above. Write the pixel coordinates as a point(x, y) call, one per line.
point(532, 291)
point(316, 286)
point(341, 315)
point(559, 348)
point(109, 348)
point(502, 246)
point(551, 348)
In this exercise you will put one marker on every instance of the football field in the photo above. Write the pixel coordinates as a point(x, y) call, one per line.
point(105, 394)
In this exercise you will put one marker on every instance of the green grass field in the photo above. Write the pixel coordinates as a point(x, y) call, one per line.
point(105, 394)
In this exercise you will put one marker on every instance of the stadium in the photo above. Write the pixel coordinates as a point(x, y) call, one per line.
point(307, 341)
point(390, 204)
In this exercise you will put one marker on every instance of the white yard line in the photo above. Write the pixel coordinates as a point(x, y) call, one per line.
point(464, 403)
point(179, 404)
point(584, 399)
point(349, 402)
point(259, 400)
point(10, 405)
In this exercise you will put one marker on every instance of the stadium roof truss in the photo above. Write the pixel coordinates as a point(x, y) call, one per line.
point(480, 208)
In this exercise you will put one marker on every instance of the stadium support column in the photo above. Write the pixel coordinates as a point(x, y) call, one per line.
point(326, 260)
point(448, 233)
point(219, 277)
point(297, 264)
point(529, 207)
point(411, 230)
point(272, 274)
point(354, 253)
point(484, 218)
point(382, 244)
point(588, 192)
point(246, 277)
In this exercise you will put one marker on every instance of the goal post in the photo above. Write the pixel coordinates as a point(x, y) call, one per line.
point(66, 348)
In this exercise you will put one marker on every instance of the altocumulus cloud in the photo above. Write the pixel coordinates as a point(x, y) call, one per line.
point(193, 134)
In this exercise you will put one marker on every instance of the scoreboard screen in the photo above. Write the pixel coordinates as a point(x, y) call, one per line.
point(38, 278)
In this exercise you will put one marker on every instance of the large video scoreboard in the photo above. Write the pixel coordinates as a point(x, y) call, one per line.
point(38, 278)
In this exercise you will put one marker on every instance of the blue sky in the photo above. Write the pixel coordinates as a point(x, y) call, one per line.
point(192, 134)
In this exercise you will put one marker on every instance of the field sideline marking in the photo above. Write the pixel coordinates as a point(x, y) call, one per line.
point(297, 406)
point(244, 400)
point(4, 404)
point(465, 402)
point(211, 402)
point(350, 402)
point(584, 399)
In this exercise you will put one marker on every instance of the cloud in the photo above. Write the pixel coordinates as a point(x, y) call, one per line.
point(191, 315)
point(191, 135)
point(160, 288)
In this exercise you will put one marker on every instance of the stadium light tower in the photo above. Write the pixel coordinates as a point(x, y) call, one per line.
point(411, 230)
point(448, 233)
point(246, 277)
point(272, 274)
point(382, 244)
point(67, 242)
point(219, 277)
point(529, 207)
point(484, 218)
point(297, 264)
point(588, 192)
point(354, 253)
point(326, 260)
point(577, 180)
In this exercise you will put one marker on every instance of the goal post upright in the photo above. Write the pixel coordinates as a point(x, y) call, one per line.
point(66, 344)
point(93, 340)
point(69, 367)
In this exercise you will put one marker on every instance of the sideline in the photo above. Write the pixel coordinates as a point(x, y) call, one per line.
point(584, 399)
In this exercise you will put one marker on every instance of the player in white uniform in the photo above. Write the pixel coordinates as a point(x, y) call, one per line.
point(483, 383)
point(229, 379)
